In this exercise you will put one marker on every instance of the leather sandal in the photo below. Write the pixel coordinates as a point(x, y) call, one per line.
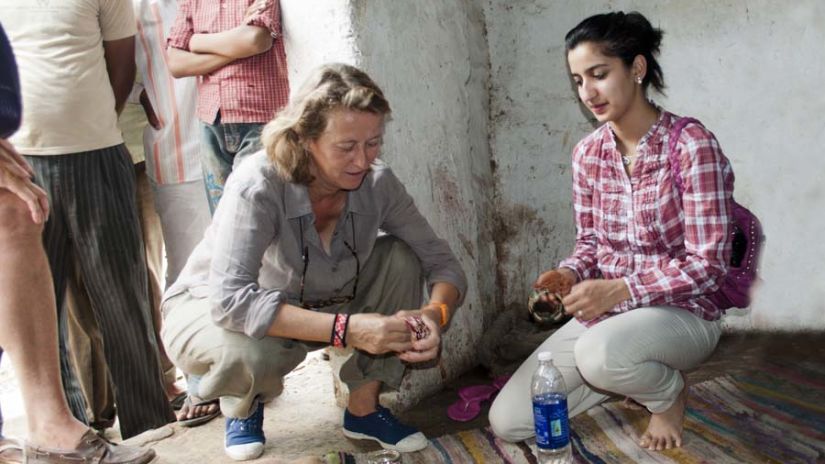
point(92, 449)
point(11, 451)
point(193, 402)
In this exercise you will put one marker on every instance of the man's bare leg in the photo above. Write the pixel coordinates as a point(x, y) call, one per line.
point(28, 327)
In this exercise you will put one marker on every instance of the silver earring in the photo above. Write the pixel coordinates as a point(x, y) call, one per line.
point(638, 79)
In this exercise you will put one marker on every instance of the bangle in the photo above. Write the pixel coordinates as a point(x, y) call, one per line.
point(338, 337)
point(445, 313)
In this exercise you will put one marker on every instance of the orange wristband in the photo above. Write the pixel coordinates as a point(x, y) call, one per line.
point(445, 311)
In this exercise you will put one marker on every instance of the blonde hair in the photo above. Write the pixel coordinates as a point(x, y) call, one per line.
point(329, 87)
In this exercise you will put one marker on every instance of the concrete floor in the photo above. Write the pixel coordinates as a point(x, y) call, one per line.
point(304, 422)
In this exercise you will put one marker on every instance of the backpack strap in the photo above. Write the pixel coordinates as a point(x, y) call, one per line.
point(673, 157)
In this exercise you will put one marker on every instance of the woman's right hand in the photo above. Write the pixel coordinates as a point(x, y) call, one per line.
point(378, 334)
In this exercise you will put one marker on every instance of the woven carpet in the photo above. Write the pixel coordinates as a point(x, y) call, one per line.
point(775, 415)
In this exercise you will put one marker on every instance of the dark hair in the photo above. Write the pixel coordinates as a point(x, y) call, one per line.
point(625, 36)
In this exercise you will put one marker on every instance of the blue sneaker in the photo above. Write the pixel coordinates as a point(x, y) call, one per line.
point(245, 437)
point(383, 427)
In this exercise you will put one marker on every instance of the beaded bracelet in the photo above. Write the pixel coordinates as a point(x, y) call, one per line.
point(338, 337)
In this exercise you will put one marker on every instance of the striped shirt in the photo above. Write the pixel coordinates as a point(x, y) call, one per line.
point(670, 249)
point(249, 90)
point(172, 151)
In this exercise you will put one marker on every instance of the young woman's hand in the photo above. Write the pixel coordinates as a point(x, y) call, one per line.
point(590, 299)
point(427, 348)
point(557, 281)
point(378, 334)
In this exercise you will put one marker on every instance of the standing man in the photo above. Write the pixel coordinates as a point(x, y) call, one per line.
point(173, 166)
point(28, 326)
point(236, 49)
point(77, 67)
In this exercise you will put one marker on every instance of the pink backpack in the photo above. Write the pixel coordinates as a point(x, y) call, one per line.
point(747, 238)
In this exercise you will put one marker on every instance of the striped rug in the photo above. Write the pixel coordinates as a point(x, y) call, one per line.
point(775, 415)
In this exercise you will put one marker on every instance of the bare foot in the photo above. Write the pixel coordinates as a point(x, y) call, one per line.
point(665, 428)
point(191, 409)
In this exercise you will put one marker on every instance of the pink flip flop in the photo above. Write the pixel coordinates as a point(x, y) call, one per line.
point(468, 406)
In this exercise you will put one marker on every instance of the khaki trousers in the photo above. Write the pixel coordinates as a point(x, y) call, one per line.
point(638, 354)
point(242, 371)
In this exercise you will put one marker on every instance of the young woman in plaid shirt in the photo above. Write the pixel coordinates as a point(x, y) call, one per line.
point(646, 257)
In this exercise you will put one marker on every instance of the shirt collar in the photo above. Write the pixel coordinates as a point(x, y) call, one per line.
point(654, 136)
point(297, 203)
point(296, 200)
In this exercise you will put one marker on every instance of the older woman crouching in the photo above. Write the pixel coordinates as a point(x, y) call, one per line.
point(293, 262)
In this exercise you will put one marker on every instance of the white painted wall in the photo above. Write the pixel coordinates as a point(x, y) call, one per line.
point(750, 70)
point(485, 119)
point(430, 58)
point(316, 32)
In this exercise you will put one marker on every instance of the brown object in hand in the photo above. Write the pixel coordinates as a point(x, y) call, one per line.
point(417, 326)
point(557, 283)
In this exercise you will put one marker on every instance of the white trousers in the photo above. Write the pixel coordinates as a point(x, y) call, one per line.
point(184, 216)
point(638, 354)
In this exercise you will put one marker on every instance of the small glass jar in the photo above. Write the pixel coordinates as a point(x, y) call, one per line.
point(545, 312)
point(384, 457)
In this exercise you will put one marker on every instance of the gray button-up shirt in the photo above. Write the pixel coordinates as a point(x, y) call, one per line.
point(249, 261)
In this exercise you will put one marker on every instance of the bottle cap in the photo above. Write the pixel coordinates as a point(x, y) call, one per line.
point(545, 356)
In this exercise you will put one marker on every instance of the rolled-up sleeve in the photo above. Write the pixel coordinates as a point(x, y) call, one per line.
point(182, 30)
point(245, 227)
point(268, 17)
point(403, 220)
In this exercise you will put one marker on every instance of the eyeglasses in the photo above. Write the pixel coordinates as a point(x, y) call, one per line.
point(336, 299)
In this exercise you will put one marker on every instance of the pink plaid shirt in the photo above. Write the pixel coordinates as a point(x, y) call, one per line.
point(670, 249)
point(249, 90)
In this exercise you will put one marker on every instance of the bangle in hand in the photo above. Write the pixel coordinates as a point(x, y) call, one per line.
point(338, 337)
point(445, 313)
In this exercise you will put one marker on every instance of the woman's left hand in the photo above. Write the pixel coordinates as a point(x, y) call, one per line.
point(590, 299)
point(427, 348)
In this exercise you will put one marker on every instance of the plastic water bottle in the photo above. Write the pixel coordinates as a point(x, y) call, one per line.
point(550, 412)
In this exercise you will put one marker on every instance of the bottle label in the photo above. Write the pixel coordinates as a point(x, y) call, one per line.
point(550, 416)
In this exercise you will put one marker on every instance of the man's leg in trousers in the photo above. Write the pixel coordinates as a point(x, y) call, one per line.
point(106, 234)
point(49, 174)
point(86, 352)
point(184, 216)
point(216, 162)
point(242, 140)
point(392, 281)
point(153, 244)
